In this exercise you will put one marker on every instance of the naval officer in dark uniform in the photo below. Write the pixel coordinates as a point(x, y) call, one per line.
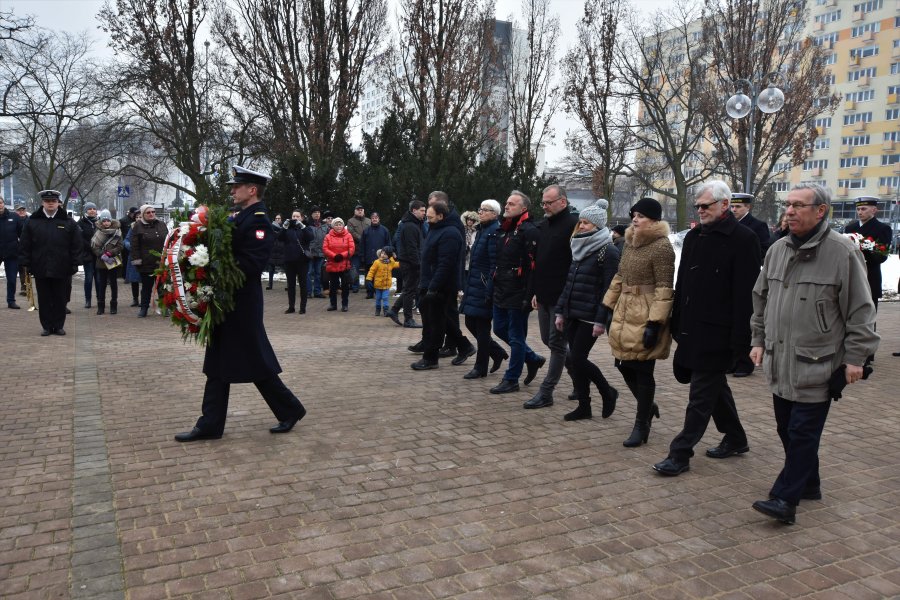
point(239, 350)
point(741, 205)
point(867, 226)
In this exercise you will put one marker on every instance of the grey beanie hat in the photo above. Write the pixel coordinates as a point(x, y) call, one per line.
point(595, 213)
point(104, 215)
point(89, 206)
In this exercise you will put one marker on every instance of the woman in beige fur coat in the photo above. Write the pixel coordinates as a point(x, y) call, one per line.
point(640, 299)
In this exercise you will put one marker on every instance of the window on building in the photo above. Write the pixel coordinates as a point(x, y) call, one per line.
point(781, 167)
point(855, 161)
point(856, 140)
point(821, 163)
point(852, 184)
point(864, 52)
point(890, 159)
point(868, 6)
point(831, 59)
point(829, 17)
point(822, 144)
point(895, 68)
point(864, 29)
point(892, 114)
point(857, 75)
point(892, 136)
point(893, 89)
point(822, 122)
point(863, 117)
point(829, 79)
point(781, 186)
point(892, 182)
point(861, 96)
point(826, 39)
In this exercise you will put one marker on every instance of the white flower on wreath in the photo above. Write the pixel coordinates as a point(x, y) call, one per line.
point(200, 257)
point(867, 245)
point(184, 229)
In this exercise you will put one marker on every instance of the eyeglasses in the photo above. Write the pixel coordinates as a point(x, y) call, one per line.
point(486, 210)
point(798, 205)
point(549, 202)
point(705, 206)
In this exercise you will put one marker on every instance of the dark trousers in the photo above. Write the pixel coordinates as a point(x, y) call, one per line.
point(410, 276)
point(135, 291)
point(580, 337)
point(51, 301)
point(480, 328)
point(339, 281)
point(800, 426)
point(638, 376)
point(89, 275)
point(107, 275)
point(710, 396)
point(296, 272)
point(455, 338)
point(434, 323)
point(11, 264)
point(146, 289)
point(282, 402)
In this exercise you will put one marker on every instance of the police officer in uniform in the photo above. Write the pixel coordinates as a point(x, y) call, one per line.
point(239, 351)
point(51, 249)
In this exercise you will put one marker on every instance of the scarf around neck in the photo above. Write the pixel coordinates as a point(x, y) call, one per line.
point(585, 244)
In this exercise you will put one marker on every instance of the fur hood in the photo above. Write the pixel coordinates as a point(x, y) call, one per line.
point(650, 234)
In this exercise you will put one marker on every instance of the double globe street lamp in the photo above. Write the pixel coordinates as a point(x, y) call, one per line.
point(769, 100)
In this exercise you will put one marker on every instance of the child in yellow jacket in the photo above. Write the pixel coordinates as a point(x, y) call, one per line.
point(380, 276)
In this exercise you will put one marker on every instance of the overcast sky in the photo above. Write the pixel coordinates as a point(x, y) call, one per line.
point(81, 16)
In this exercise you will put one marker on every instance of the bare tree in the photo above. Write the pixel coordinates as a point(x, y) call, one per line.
point(664, 67)
point(594, 96)
point(62, 132)
point(164, 81)
point(531, 98)
point(307, 62)
point(750, 39)
point(443, 72)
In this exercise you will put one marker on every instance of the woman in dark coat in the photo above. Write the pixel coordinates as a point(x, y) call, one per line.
point(295, 238)
point(579, 311)
point(276, 259)
point(476, 302)
point(148, 236)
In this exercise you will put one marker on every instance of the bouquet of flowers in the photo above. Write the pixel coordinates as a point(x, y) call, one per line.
point(868, 244)
point(198, 275)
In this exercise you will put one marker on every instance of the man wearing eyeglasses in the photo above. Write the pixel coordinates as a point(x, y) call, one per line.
point(711, 322)
point(813, 326)
point(551, 266)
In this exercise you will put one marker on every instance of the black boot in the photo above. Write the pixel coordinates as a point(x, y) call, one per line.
point(646, 410)
point(142, 313)
point(101, 307)
point(113, 307)
point(639, 434)
point(377, 311)
point(582, 412)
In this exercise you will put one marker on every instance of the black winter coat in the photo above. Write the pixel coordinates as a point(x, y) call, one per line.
point(554, 256)
point(586, 284)
point(374, 238)
point(87, 227)
point(409, 251)
point(50, 248)
point(291, 240)
point(881, 233)
point(440, 258)
point(277, 256)
point(713, 295)
point(11, 226)
point(479, 286)
point(516, 247)
point(760, 229)
point(239, 349)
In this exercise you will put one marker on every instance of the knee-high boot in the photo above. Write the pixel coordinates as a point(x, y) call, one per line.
point(646, 410)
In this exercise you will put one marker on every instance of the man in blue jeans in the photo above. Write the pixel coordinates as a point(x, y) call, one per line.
point(517, 239)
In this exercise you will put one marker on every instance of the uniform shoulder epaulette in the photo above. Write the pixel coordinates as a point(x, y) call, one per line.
point(259, 214)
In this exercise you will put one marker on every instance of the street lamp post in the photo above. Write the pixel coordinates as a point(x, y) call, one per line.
point(770, 100)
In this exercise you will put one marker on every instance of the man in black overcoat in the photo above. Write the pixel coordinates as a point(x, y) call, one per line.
point(239, 350)
point(867, 225)
point(51, 249)
point(720, 262)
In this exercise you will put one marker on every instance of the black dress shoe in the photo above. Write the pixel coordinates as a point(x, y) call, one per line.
point(417, 348)
point(135, 303)
point(474, 374)
point(284, 426)
point(302, 311)
point(45, 332)
point(497, 361)
point(539, 401)
point(412, 324)
point(670, 467)
point(13, 306)
point(344, 309)
point(393, 317)
point(424, 365)
point(319, 296)
point(59, 331)
point(726, 449)
point(532, 368)
point(194, 435)
point(742, 374)
point(331, 308)
point(776, 508)
point(446, 352)
point(462, 356)
point(289, 311)
point(505, 387)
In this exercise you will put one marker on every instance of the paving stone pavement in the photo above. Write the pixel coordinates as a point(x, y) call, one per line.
point(400, 484)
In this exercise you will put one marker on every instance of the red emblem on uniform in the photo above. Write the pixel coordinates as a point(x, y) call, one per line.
point(260, 234)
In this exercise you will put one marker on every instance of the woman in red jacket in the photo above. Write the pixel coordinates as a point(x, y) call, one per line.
point(338, 247)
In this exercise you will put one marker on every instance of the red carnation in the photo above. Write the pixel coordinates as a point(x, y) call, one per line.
point(201, 307)
point(200, 274)
point(188, 252)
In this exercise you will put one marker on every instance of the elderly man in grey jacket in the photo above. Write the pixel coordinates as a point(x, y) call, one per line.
point(813, 326)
